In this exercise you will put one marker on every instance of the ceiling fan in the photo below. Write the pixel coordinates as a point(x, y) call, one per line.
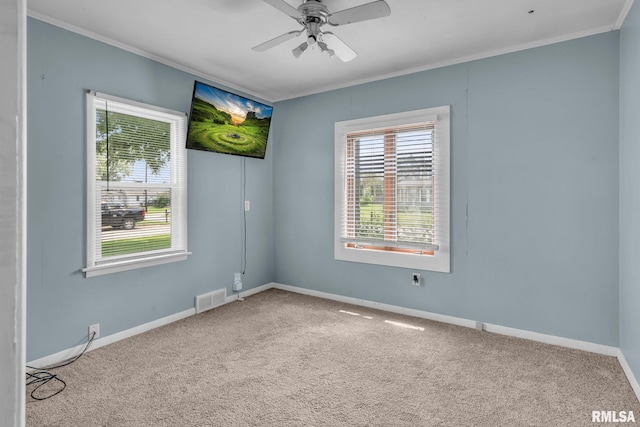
point(312, 15)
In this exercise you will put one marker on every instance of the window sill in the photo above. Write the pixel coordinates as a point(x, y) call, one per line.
point(439, 261)
point(131, 264)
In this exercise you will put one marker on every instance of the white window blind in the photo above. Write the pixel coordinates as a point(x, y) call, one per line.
point(390, 185)
point(392, 190)
point(136, 207)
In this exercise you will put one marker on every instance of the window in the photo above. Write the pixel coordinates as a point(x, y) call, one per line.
point(136, 185)
point(392, 190)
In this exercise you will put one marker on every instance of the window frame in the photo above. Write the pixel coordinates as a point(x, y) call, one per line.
point(178, 252)
point(440, 259)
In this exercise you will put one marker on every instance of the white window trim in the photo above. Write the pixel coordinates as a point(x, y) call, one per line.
point(440, 261)
point(113, 265)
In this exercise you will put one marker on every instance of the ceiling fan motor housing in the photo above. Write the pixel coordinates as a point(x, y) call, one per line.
point(314, 11)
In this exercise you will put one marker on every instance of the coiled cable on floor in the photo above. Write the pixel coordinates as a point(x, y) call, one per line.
point(42, 376)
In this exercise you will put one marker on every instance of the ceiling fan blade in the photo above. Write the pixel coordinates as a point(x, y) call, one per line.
point(340, 48)
point(285, 7)
point(376, 9)
point(276, 41)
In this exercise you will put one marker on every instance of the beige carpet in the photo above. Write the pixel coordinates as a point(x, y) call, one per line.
point(283, 359)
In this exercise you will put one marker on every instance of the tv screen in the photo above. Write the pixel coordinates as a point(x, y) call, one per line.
point(223, 122)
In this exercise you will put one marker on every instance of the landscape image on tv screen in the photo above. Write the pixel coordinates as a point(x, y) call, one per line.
point(224, 122)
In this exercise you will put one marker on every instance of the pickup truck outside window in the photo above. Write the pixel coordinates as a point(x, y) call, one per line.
point(119, 216)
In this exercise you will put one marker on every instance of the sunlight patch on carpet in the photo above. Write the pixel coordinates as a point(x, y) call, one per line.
point(405, 325)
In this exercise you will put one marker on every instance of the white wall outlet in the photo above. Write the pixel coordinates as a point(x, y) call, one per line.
point(247, 205)
point(237, 282)
point(95, 328)
point(415, 279)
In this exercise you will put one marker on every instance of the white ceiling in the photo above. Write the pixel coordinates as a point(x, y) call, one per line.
point(213, 38)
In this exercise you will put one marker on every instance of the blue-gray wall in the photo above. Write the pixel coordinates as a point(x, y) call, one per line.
point(630, 189)
point(61, 302)
point(534, 190)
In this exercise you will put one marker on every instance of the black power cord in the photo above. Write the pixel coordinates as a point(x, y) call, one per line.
point(244, 217)
point(41, 376)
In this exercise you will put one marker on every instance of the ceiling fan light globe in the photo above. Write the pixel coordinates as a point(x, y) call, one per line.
point(298, 51)
point(324, 48)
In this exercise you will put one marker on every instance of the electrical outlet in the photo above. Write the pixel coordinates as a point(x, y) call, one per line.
point(237, 282)
point(415, 279)
point(95, 328)
point(247, 205)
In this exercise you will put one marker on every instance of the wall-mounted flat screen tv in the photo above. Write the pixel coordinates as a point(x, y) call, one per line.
point(223, 122)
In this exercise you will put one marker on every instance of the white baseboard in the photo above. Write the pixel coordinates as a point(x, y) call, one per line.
point(239, 295)
point(109, 339)
point(502, 330)
point(552, 339)
point(380, 306)
point(629, 373)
